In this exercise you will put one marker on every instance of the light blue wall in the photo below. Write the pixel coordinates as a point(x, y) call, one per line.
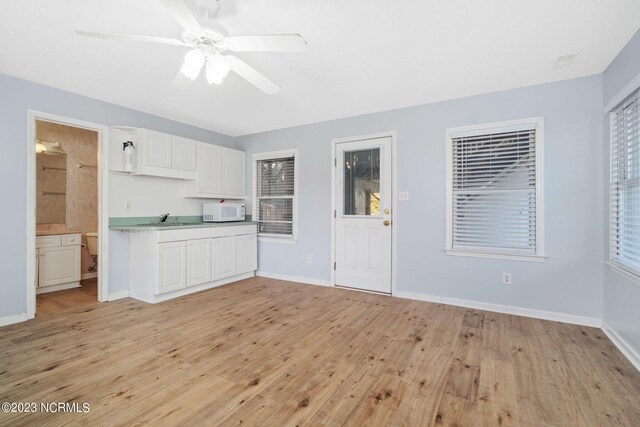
point(570, 281)
point(621, 296)
point(16, 96)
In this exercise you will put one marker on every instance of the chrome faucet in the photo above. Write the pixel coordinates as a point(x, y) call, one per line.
point(164, 217)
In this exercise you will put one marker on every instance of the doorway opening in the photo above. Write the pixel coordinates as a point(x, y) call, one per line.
point(68, 224)
point(363, 208)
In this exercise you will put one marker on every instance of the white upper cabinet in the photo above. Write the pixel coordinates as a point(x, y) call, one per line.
point(155, 153)
point(184, 154)
point(221, 173)
point(209, 179)
point(234, 166)
point(157, 150)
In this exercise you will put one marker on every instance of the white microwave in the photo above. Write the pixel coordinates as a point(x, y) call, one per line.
point(223, 211)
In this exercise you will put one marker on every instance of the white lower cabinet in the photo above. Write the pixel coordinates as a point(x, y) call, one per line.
point(57, 262)
point(189, 260)
point(223, 257)
point(198, 262)
point(246, 253)
point(172, 266)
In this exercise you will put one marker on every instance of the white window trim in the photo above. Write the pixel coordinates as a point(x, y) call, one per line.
point(293, 239)
point(511, 125)
point(616, 266)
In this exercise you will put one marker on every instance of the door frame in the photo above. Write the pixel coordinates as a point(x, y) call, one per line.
point(103, 212)
point(394, 201)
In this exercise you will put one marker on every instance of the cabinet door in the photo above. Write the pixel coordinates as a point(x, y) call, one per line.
point(198, 262)
point(172, 266)
point(184, 154)
point(58, 265)
point(233, 172)
point(209, 180)
point(246, 253)
point(157, 149)
point(223, 257)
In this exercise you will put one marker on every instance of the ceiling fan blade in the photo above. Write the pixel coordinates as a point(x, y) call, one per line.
point(181, 82)
point(267, 43)
point(150, 39)
point(182, 14)
point(252, 75)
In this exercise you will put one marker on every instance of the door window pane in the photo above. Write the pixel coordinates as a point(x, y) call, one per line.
point(362, 182)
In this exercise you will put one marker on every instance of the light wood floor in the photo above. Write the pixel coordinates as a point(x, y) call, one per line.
point(71, 299)
point(267, 352)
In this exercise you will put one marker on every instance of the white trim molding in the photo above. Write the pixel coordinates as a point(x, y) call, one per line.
point(271, 238)
point(505, 309)
point(103, 196)
point(86, 276)
point(15, 318)
point(624, 273)
point(297, 279)
point(394, 200)
point(624, 92)
point(624, 347)
point(533, 123)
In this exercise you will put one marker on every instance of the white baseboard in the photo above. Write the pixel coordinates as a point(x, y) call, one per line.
point(288, 278)
point(624, 347)
point(119, 295)
point(16, 318)
point(506, 309)
point(86, 276)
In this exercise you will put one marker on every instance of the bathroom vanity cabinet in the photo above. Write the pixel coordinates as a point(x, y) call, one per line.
point(58, 262)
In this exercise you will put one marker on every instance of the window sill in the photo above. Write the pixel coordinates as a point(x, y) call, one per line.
point(288, 241)
point(529, 258)
point(624, 273)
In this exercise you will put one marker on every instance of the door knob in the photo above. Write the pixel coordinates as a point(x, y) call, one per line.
point(386, 223)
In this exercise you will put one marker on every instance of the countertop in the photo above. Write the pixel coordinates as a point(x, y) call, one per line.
point(155, 227)
point(56, 233)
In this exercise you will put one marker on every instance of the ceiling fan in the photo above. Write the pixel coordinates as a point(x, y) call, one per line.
point(208, 45)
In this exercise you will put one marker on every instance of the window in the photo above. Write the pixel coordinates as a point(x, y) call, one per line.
point(274, 194)
point(624, 192)
point(494, 190)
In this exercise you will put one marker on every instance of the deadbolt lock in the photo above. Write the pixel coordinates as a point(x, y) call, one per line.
point(386, 211)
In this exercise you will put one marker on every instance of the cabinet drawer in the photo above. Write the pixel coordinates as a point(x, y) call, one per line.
point(223, 231)
point(70, 239)
point(246, 229)
point(197, 233)
point(47, 241)
point(172, 235)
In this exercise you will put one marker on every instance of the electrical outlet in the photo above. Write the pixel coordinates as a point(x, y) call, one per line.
point(506, 278)
point(126, 206)
point(307, 259)
point(403, 195)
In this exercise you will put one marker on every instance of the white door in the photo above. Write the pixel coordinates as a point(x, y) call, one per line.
point(198, 262)
point(184, 154)
point(171, 266)
point(233, 172)
point(363, 214)
point(246, 253)
point(157, 149)
point(209, 180)
point(58, 265)
point(223, 257)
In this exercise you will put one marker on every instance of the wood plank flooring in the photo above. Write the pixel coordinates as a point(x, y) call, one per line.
point(265, 352)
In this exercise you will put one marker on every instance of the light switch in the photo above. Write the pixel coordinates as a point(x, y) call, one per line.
point(403, 195)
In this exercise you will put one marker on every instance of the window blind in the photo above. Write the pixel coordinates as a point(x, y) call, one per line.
point(274, 196)
point(494, 192)
point(624, 192)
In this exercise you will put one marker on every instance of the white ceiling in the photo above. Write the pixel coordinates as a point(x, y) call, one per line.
point(364, 55)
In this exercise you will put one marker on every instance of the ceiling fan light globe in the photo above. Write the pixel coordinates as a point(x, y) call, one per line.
point(193, 62)
point(214, 76)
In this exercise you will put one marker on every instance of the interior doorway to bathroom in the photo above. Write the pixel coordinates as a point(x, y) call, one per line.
point(67, 231)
